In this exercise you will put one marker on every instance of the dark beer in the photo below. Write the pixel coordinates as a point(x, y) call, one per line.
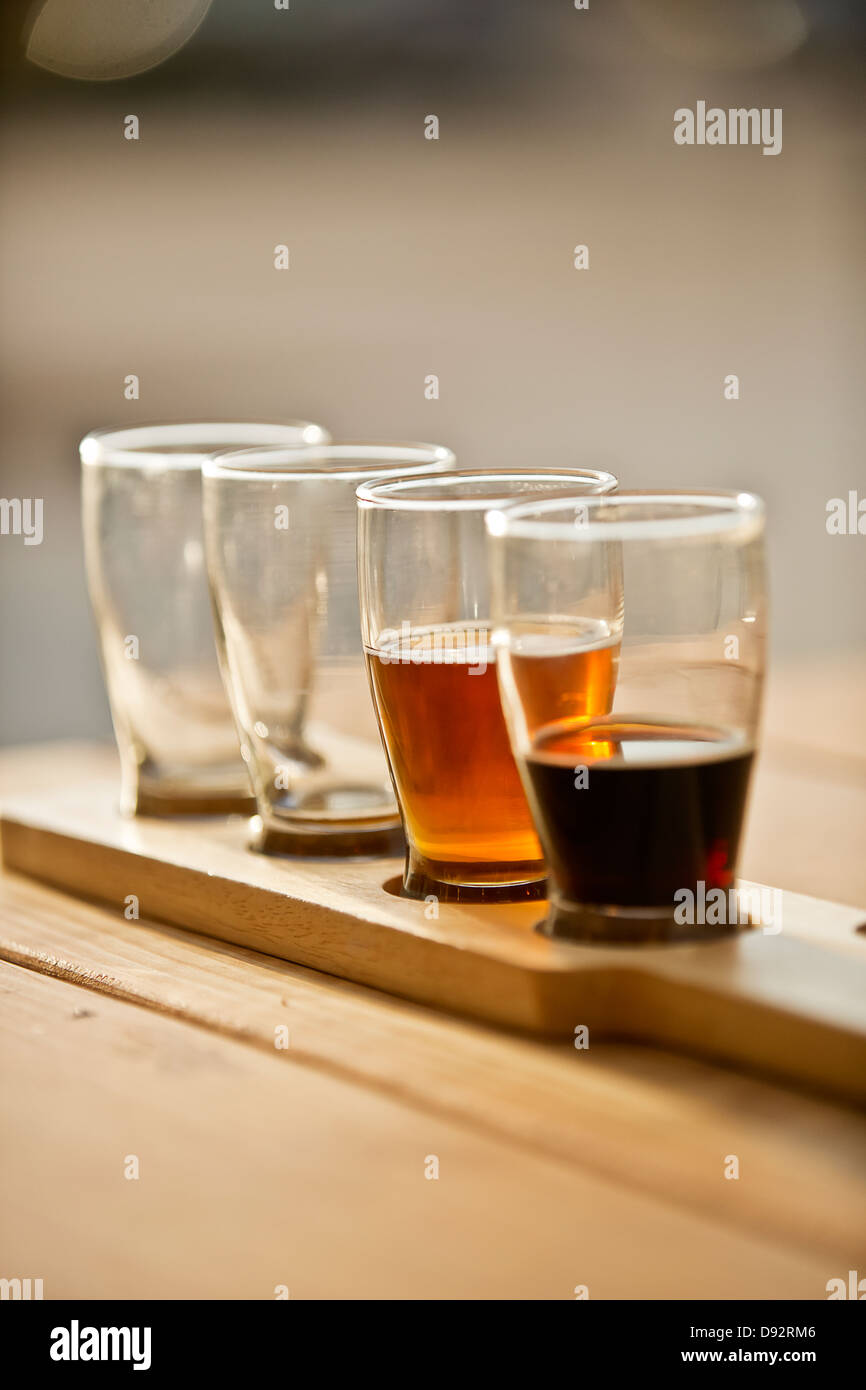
point(631, 812)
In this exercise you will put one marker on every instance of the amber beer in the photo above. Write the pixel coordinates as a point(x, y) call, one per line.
point(437, 699)
point(631, 812)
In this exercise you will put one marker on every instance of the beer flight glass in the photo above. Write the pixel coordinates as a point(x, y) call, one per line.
point(280, 534)
point(425, 618)
point(144, 554)
point(639, 807)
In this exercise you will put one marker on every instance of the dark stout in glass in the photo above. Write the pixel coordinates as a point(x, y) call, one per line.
point(661, 809)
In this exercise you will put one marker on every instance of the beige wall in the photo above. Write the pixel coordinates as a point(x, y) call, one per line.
point(411, 257)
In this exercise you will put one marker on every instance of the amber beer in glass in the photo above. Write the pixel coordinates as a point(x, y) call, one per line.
point(432, 668)
point(639, 809)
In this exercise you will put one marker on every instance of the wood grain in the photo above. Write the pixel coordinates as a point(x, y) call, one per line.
point(262, 1166)
point(791, 1005)
point(255, 1173)
point(659, 1124)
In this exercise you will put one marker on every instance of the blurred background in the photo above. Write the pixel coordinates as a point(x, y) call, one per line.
point(454, 257)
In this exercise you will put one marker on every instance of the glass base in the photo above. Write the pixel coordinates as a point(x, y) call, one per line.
point(612, 925)
point(305, 841)
point(474, 883)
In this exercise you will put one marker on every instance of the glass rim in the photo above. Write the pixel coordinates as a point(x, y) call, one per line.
point(371, 458)
point(711, 512)
point(145, 444)
point(387, 493)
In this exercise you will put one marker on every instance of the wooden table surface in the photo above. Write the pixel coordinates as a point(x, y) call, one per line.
point(307, 1168)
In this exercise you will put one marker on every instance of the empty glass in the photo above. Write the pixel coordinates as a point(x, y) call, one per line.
point(281, 551)
point(639, 808)
point(425, 611)
point(144, 552)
